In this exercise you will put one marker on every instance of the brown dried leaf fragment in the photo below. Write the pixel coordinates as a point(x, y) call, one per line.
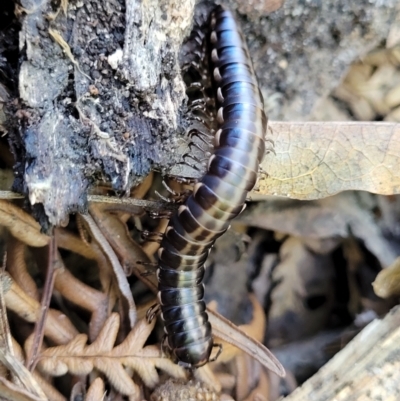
point(255, 328)
point(333, 217)
point(96, 391)
point(119, 273)
point(316, 160)
point(303, 296)
point(35, 377)
point(20, 376)
point(58, 327)
point(21, 225)
point(12, 392)
point(227, 331)
point(17, 267)
point(79, 358)
point(387, 282)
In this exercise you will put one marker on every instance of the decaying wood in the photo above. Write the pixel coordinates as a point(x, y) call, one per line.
point(367, 369)
point(116, 64)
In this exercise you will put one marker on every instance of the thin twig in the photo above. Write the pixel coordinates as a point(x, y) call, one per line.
point(38, 332)
point(118, 270)
point(145, 204)
point(10, 195)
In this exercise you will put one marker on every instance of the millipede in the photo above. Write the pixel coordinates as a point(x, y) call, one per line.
point(239, 146)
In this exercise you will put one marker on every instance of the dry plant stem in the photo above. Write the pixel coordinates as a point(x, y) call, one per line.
point(242, 374)
point(71, 242)
point(132, 256)
point(16, 266)
point(123, 284)
point(82, 295)
point(38, 332)
point(10, 195)
point(148, 205)
point(106, 276)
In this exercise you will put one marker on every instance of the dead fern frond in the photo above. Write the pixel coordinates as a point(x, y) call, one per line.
point(21, 225)
point(116, 363)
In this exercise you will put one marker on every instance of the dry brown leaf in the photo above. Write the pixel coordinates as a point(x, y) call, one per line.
point(227, 331)
point(255, 328)
point(303, 297)
point(333, 217)
point(79, 358)
point(316, 160)
point(21, 225)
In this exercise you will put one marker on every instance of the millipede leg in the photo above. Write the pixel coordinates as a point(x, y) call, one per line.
point(261, 171)
point(165, 214)
point(180, 196)
point(206, 152)
point(151, 236)
point(152, 312)
point(219, 346)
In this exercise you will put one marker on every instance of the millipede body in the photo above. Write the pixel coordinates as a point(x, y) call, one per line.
point(218, 198)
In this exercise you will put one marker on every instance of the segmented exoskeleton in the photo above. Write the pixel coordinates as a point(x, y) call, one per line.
point(217, 199)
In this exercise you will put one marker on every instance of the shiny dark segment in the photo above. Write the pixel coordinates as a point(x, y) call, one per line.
point(217, 199)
